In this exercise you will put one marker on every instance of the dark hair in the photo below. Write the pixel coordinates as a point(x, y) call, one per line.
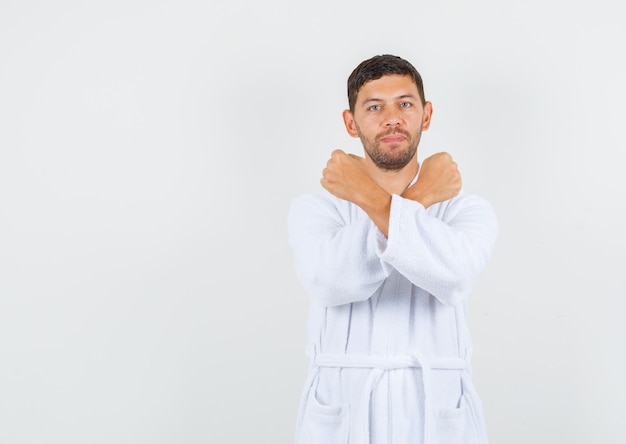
point(375, 68)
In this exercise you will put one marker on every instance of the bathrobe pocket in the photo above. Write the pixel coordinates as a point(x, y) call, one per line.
point(456, 425)
point(323, 423)
point(464, 423)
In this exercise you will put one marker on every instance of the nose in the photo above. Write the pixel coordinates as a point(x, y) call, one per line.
point(391, 117)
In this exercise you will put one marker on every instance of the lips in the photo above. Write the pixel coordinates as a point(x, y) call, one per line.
point(393, 138)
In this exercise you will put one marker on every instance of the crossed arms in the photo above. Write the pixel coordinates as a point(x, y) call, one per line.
point(348, 241)
point(346, 177)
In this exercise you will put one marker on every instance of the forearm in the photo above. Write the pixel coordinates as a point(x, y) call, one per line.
point(444, 252)
point(335, 250)
point(376, 203)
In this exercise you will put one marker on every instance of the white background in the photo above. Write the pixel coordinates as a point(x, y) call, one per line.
point(148, 154)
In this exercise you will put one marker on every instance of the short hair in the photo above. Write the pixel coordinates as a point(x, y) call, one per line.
point(377, 67)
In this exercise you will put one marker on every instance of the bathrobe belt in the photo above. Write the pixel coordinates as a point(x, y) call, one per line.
point(382, 364)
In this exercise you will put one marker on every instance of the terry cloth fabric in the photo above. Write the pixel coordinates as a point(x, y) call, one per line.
point(385, 313)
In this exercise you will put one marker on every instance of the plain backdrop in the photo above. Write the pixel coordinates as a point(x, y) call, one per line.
point(149, 151)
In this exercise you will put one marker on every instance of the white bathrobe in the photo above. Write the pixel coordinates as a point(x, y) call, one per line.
point(388, 340)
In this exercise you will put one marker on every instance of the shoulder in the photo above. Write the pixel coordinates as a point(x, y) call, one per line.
point(466, 204)
point(321, 210)
point(318, 202)
point(465, 199)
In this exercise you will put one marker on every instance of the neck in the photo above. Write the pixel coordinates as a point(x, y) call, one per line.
point(394, 181)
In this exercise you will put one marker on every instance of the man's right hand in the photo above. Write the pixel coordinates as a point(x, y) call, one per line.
point(439, 179)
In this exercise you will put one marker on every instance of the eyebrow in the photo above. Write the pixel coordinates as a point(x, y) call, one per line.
point(403, 96)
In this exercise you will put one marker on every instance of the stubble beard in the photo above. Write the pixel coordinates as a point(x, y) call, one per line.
point(386, 160)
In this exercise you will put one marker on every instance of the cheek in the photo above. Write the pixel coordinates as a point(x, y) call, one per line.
point(419, 121)
point(367, 125)
point(373, 123)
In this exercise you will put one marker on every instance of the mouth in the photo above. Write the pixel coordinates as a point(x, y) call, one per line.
point(393, 138)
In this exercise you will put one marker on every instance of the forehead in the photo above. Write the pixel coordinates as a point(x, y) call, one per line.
point(388, 87)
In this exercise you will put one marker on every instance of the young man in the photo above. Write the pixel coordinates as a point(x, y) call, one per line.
point(388, 253)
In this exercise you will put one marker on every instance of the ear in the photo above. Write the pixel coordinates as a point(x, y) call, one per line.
point(348, 120)
point(428, 113)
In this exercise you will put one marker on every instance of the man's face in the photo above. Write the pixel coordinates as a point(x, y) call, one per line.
point(389, 119)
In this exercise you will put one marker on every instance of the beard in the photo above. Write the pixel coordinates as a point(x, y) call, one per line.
point(390, 160)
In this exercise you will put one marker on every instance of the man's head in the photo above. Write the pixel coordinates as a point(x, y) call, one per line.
point(388, 111)
point(375, 68)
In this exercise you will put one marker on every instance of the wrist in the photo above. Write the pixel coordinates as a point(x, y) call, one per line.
point(377, 205)
point(415, 194)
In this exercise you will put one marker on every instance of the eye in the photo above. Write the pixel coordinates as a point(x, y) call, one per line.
point(405, 104)
point(374, 108)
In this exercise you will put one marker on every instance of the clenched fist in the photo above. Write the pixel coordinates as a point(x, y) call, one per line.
point(439, 180)
point(346, 177)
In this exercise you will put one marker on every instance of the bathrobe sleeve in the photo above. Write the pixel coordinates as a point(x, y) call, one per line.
point(442, 249)
point(336, 249)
